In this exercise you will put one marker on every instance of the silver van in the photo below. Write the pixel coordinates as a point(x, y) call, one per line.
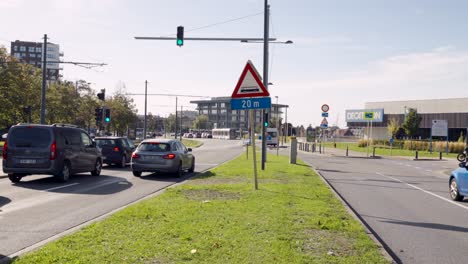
point(60, 150)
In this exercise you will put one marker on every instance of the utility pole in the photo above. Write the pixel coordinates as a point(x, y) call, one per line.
point(144, 125)
point(265, 78)
point(181, 116)
point(44, 78)
point(175, 132)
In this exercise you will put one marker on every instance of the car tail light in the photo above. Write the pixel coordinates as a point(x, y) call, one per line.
point(5, 149)
point(135, 155)
point(53, 151)
point(116, 149)
point(169, 156)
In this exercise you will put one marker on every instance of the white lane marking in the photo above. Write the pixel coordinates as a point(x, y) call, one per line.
point(428, 192)
point(60, 187)
point(408, 165)
point(206, 164)
point(417, 168)
point(429, 170)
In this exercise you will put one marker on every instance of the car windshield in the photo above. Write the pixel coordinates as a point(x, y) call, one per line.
point(154, 147)
point(104, 142)
point(33, 137)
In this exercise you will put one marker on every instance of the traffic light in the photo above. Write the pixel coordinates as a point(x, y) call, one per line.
point(107, 115)
point(102, 94)
point(265, 120)
point(180, 36)
point(98, 115)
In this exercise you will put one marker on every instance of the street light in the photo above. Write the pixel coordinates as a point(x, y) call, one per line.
point(277, 125)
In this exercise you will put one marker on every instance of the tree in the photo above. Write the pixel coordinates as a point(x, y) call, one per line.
point(411, 123)
point(201, 122)
point(393, 127)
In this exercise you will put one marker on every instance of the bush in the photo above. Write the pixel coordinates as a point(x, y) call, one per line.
point(419, 145)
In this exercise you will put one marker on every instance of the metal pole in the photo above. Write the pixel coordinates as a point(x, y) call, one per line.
point(146, 95)
point(265, 78)
point(44, 79)
point(254, 154)
point(175, 132)
point(277, 124)
point(181, 115)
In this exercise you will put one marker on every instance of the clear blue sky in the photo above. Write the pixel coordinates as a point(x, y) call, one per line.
point(345, 53)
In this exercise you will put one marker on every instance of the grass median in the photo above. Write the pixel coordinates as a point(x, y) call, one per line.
point(192, 143)
point(387, 151)
point(218, 217)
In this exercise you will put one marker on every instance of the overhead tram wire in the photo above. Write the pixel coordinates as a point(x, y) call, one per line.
point(181, 95)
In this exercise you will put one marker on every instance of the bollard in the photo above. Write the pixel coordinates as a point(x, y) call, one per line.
point(440, 155)
point(313, 147)
point(373, 152)
point(347, 151)
point(320, 148)
point(293, 151)
point(416, 155)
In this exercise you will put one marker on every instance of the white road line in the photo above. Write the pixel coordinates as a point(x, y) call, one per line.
point(428, 192)
point(206, 164)
point(60, 187)
point(417, 168)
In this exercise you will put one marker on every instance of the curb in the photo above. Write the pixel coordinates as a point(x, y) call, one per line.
point(386, 251)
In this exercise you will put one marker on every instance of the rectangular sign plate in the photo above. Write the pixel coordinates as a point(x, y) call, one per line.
point(324, 114)
point(251, 103)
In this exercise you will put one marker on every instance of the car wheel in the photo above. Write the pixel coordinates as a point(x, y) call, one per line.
point(179, 172)
point(64, 174)
point(461, 157)
point(14, 177)
point(123, 162)
point(137, 173)
point(97, 168)
point(192, 168)
point(454, 193)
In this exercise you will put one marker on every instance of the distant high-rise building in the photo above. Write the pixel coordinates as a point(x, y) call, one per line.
point(32, 52)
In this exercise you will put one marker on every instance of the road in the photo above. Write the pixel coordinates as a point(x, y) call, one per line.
point(406, 203)
point(38, 208)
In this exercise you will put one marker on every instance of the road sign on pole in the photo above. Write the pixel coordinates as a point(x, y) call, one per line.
point(249, 84)
point(325, 108)
point(251, 103)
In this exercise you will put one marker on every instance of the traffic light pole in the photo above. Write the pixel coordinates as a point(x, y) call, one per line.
point(44, 78)
point(146, 94)
point(265, 78)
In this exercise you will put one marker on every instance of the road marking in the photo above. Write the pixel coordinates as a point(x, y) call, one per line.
point(60, 187)
point(429, 170)
point(417, 168)
point(206, 164)
point(428, 192)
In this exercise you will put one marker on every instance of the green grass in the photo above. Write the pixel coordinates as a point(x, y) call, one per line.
point(386, 151)
point(191, 143)
point(220, 218)
point(1, 143)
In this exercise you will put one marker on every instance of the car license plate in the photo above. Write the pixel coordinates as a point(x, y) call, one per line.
point(27, 161)
point(151, 157)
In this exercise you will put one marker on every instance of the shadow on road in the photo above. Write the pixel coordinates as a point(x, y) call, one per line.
point(78, 184)
point(4, 201)
point(421, 224)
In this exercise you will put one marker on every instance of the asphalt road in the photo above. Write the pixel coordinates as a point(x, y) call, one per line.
point(39, 209)
point(405, 203)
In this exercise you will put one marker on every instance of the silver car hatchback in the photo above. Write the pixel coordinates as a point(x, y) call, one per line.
point(162, 155)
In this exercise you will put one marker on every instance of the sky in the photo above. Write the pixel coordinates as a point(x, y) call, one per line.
point(345, 53)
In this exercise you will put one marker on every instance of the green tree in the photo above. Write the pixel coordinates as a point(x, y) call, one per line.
point(393, 127)
point(411, 123)
point(201, 122)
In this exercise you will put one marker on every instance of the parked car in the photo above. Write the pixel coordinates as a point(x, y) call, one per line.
point(115, 150)
point(458, 182)
point(60, 150)
point(162, 155)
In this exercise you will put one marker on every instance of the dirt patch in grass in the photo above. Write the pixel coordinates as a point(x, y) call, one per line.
point(210, 181)
point(326, 242)
point(207, 195)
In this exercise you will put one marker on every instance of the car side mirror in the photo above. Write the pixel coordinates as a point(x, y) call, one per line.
point(189, 150)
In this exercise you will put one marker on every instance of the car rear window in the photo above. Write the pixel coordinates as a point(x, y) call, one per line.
point(29, 137)
point(154, 147)
point(104, 142)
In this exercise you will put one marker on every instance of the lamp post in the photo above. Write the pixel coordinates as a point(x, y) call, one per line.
point(277, 126)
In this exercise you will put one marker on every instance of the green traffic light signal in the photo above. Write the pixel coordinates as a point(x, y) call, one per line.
point(107, 119)
point(180, 42)
point(265, 124)
point(180, 36)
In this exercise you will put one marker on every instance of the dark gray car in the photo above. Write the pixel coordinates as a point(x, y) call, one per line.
point(162, 155)
point(59, 150)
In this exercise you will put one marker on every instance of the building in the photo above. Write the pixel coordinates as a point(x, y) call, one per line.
point(220, 114)
point(32, 52)
point(454, 111)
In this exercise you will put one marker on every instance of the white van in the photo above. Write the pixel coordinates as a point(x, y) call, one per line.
point(272, 136)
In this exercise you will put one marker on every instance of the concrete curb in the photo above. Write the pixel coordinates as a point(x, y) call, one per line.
point(384, 248)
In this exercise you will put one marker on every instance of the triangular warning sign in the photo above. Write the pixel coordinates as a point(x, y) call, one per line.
point(249, 84)
point(324, 122)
